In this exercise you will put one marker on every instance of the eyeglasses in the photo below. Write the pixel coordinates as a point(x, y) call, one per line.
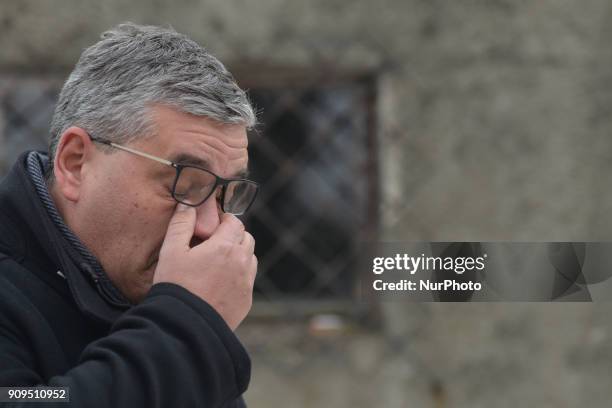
point(193, 185)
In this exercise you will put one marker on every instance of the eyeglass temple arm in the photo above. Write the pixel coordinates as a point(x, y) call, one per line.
point(136, 152)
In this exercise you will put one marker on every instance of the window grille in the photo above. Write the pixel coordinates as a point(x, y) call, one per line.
point(315, 155)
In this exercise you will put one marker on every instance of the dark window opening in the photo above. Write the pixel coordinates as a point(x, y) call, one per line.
point(315, 157)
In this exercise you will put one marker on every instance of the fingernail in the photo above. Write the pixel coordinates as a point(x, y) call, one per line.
point(181, 207)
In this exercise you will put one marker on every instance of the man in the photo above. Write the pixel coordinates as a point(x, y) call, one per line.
point(123, 268)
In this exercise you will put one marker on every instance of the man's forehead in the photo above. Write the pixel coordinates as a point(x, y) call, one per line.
point(202, 142)
point(170, 120)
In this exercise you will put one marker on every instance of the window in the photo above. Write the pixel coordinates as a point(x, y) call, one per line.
point(26, 108)
point(315, 156)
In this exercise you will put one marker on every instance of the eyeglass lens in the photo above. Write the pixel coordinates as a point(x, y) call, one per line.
point(194, 185)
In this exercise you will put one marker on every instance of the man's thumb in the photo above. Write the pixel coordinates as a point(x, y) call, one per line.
point(180, 229)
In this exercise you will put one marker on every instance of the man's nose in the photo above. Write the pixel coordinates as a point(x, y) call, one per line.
point(208, 219)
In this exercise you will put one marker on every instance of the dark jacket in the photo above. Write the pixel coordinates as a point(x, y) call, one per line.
point(66, 329)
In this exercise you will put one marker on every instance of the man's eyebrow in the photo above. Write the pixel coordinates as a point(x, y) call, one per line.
point(242, 174)
point(191, 160)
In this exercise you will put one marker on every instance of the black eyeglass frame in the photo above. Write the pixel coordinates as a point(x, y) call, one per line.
point(219, 181)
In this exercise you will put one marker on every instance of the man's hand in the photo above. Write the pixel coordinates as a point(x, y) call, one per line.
point(220, 270)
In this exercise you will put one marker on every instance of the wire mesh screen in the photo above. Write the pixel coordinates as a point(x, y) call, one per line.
point(313, 159)
point(26, 108)
point(313, 154)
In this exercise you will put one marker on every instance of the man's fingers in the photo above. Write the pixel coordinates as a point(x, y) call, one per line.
point(253, 268)
point(231, 229)
point(248, 242)
point(181, 228)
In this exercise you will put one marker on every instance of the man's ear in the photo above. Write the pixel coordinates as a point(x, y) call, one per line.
point(73, 150)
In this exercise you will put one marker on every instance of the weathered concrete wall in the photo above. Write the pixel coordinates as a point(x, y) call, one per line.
point(494, 125)
point(441, 355)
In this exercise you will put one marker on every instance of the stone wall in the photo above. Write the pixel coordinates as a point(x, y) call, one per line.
point(493, 124)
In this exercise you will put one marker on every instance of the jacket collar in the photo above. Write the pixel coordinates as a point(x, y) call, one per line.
point(35, 230)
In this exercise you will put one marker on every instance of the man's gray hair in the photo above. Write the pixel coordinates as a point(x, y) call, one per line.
point(133, 67)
